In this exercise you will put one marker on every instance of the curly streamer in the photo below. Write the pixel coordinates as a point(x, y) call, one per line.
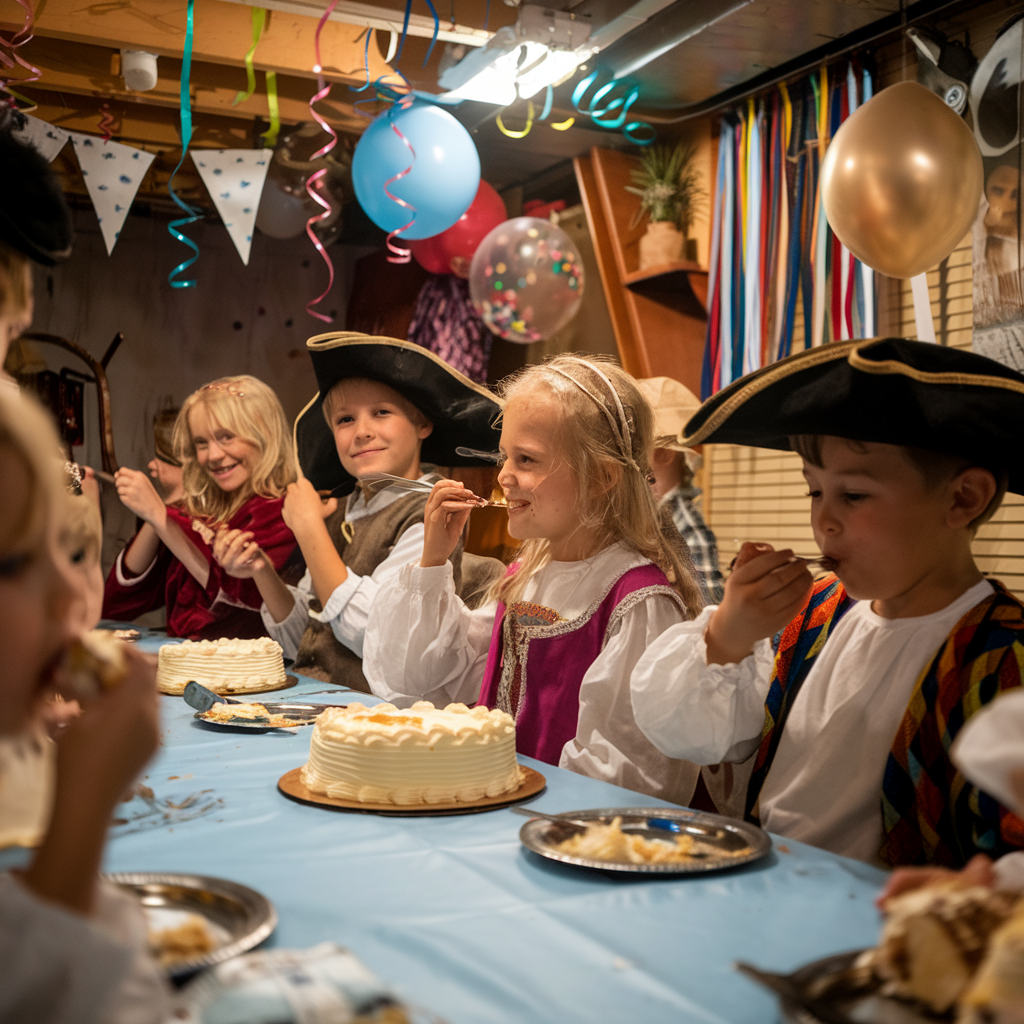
point(400, 255)
point(616, 109)
point(19, 39)
point(192, 214)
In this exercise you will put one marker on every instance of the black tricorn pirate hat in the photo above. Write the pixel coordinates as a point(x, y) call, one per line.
point(34, 215)
point(464, 414)
point(887, 390)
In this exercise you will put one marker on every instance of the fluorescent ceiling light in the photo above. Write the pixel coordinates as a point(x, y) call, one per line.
point(542, 48)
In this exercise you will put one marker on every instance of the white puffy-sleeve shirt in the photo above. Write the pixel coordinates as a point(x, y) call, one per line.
point(348, 608)
point(64, 968)
point(825, 782)
point(423, 643)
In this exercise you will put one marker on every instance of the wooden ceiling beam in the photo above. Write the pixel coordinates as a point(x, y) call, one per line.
point(85, 70)
point(222, 35)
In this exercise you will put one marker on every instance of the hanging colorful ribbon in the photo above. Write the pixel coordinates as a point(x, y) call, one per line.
point(259, 20)
point(107, 122)
point(269, 137)
point(315, 179)
point(511, 133)
point(19, 39)
point(400, 255)
point(192, 214)
point(613, 114)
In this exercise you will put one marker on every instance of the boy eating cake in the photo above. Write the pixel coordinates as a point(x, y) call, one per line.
point(383, 404)
point(850, 711)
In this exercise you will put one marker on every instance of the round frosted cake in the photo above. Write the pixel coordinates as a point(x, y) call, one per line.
point(417, 755)
point(224, 666)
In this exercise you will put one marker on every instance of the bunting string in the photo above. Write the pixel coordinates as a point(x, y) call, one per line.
point(775, 263)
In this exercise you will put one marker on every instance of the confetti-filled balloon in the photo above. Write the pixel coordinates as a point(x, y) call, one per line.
point(526, 279)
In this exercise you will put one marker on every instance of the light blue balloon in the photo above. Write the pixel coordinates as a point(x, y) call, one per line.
point(445, 173)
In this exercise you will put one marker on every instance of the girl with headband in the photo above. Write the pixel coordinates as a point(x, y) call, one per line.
point(596, 580)
point(237, 458)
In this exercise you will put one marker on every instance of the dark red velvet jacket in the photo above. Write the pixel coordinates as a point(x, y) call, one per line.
point(227, 606)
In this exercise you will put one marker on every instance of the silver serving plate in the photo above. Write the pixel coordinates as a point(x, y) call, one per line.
point(300, 713)
point(728, 834)
point(239, 917)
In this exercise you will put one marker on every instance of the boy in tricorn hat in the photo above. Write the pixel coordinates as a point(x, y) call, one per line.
point(382, 405)
point(850, 711)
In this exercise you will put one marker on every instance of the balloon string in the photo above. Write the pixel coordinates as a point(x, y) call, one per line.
point(400, 255)
point(313, 182)
point(269, 137)
point(192, 214)
point(259, 20)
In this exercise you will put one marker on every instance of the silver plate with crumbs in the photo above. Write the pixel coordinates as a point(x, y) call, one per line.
point(234, 917)
point(720, 843)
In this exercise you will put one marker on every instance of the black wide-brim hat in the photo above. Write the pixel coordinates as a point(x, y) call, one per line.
point(887, 390)
point(34, 215)
point(463, 413)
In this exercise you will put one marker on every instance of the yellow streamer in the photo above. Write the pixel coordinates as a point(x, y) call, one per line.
point(259, 20)
point(526, 131)
point(269, 137)
point(564, 126)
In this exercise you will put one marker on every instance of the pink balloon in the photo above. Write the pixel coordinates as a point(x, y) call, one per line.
point(451, 252)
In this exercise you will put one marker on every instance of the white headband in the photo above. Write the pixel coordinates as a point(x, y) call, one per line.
point(620, 430)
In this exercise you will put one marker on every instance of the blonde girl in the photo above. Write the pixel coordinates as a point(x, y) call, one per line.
point(58, 922)
point(235, 448)
point(597, 579)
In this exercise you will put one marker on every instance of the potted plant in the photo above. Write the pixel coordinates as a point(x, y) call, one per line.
point(668, 185)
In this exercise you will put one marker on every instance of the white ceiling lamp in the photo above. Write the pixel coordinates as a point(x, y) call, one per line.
point(541, 49)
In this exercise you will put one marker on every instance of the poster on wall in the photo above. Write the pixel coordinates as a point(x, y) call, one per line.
point(997, 255)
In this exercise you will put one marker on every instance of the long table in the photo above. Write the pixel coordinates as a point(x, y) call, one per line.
point(459, 917)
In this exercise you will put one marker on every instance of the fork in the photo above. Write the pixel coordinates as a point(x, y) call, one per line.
point(419, 485)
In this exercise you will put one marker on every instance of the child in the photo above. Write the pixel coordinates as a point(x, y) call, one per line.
point(165, 466)
point(850, 712)
point(672, 468)
point(73, 947)
point(595, 582)
point(385, 403)
point(237, 460)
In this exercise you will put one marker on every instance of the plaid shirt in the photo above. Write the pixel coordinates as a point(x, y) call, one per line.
point(699, 539)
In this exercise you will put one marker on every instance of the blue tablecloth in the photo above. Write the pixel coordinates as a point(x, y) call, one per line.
point(460, 918)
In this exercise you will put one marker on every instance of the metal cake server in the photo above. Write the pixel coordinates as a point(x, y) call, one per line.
point(199, 697)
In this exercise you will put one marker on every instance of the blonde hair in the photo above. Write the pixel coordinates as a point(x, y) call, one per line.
point(15, 282)
point(83, 528)
point(27, 431)
point(412, 411)
point(606, 432)
point(251, 411)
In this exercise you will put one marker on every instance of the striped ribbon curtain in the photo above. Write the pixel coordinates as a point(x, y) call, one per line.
point(773, 256)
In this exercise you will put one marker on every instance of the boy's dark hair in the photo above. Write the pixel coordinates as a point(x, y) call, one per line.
point(935, 467)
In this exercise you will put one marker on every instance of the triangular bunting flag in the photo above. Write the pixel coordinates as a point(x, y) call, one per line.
point(48, 139)
point(234, 179)
point(112, 175)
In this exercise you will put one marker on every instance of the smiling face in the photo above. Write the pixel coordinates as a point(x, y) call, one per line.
point(227, 458)
point(41, 599)
point(541, 489)
point(888, 528)
point(375, 429)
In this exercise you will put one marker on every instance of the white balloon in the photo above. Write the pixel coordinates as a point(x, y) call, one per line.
point(281, 214)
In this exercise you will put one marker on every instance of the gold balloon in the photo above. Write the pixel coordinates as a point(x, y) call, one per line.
point(902, 180)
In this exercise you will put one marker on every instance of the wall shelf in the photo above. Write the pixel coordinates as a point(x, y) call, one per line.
point(681, 285)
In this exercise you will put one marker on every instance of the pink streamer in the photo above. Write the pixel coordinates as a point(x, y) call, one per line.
point(107, 121)
point(314, 180)
point(400, 255)
point(20, 38)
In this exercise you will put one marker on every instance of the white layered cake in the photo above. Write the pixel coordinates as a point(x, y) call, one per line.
point(418, 755)
point(224, 666)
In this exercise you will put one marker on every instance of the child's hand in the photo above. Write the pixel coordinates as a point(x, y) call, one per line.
point(765, 590)
point(100, 752)
point(238, 554)
point(977, 871)
point(138, 495)
point(303, 509)
point(444, 519)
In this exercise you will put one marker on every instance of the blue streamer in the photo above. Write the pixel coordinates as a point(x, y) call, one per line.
point(613, 115)
point(437, 28)
point(549, 98)
point(186, 137)
point(405, 31)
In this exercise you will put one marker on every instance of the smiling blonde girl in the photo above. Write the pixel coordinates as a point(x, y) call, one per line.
point(237, 458)
point(595, 582)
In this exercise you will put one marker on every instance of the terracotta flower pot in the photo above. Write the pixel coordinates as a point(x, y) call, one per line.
point(662, 243)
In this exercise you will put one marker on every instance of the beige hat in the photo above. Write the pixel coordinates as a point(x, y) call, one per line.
point(673, 406)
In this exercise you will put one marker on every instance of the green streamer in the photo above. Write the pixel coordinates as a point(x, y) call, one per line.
point(269, 137)
point(259, 20)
